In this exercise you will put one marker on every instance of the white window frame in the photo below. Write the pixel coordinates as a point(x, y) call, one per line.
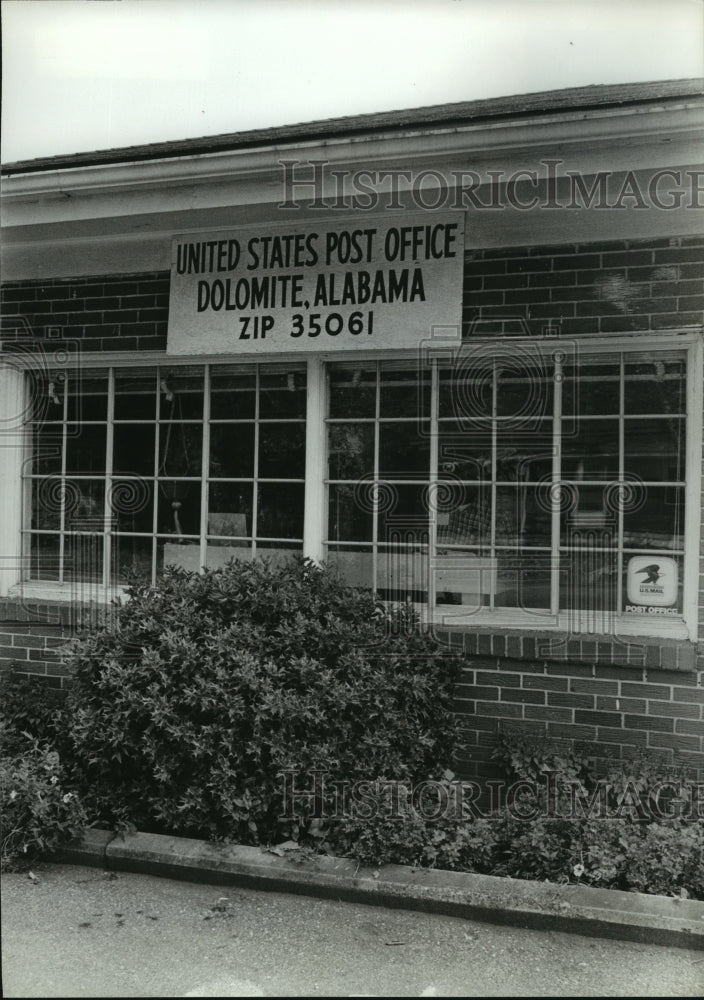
point(314, 532)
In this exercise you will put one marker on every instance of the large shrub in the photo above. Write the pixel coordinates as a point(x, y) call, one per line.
point(187, 708)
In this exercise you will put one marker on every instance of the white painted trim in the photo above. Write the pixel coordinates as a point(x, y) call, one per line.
point(620, 127)
point(13, 404)
point(314, 497)
point(693, 488)
point(636, 340)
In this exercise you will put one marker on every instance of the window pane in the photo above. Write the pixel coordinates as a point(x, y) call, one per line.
point(232, 395)
point(352, 392)
point(655, 448)
point(524, 454)
point(135, 394)
point(85, 504)
point(355, 565)
point(464, 451)
point(178, 508)
point(180, 449)
point(404, 394)
point(464, 516)
point(85, 448)
point(282, 394)
point(133, 449)
point(181, 395)
point(659, 522)
point(591, 388)
point(181, 552)
point(523, 580)
point(46, 449)
point(592, 451)
point(46, 397)
point(47, 500)
point(232, 451)
point(282, 451)
point(404, 449)
point(403, 513)
point(220, 552)
point(83, 558)
point(88, 397)
point(589, 515)
point(44, 557)
point(466, 391)
point(132, 505)
point(280, 510)
point(588, 583)
point(278, 553)
point(129, 556)
point(230, 509)
point(350, 513)
point(655, 385)
point(402, 573)
point(464, 577)
point(523, 513)
point(350, 451)
point(523, 398)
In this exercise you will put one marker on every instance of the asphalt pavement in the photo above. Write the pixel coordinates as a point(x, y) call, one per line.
point(81, 932)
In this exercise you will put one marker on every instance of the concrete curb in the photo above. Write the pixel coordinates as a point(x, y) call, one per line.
point(540, 905)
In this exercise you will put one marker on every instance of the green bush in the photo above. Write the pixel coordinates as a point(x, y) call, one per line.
point(29, 710)
point(39, 813)
point(631, 845)
point(189, 705)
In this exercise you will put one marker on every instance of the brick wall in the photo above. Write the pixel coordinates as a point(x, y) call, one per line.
point(611, 698)
point(610, 711)
point(614, 287)
point(32, 636)
point(122, 313)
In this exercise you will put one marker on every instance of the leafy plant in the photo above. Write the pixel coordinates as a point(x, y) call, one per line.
point(189, 705)
point(38, 812)
point(29, 710)
point(630, 842)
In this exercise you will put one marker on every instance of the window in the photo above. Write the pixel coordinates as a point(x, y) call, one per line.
point(513, 483)
point(519, 483)
point(140, 467)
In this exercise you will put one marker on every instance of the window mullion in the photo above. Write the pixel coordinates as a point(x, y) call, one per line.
point(314, 488)
point(157, 471)
point(556, 488)
point(621, 491)
point(433, 490)
point(205, 468)
point(107, 516)
point(62, 494)
point(255, 471)
point(375, 514)
point(494, 436)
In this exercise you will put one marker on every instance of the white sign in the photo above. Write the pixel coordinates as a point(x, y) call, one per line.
point(369, 284)
point(652, 585)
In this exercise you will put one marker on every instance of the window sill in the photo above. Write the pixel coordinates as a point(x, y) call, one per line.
point(611, 626)
point(66, 593)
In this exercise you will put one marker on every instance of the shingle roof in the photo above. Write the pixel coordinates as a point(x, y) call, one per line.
point(437, 116)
